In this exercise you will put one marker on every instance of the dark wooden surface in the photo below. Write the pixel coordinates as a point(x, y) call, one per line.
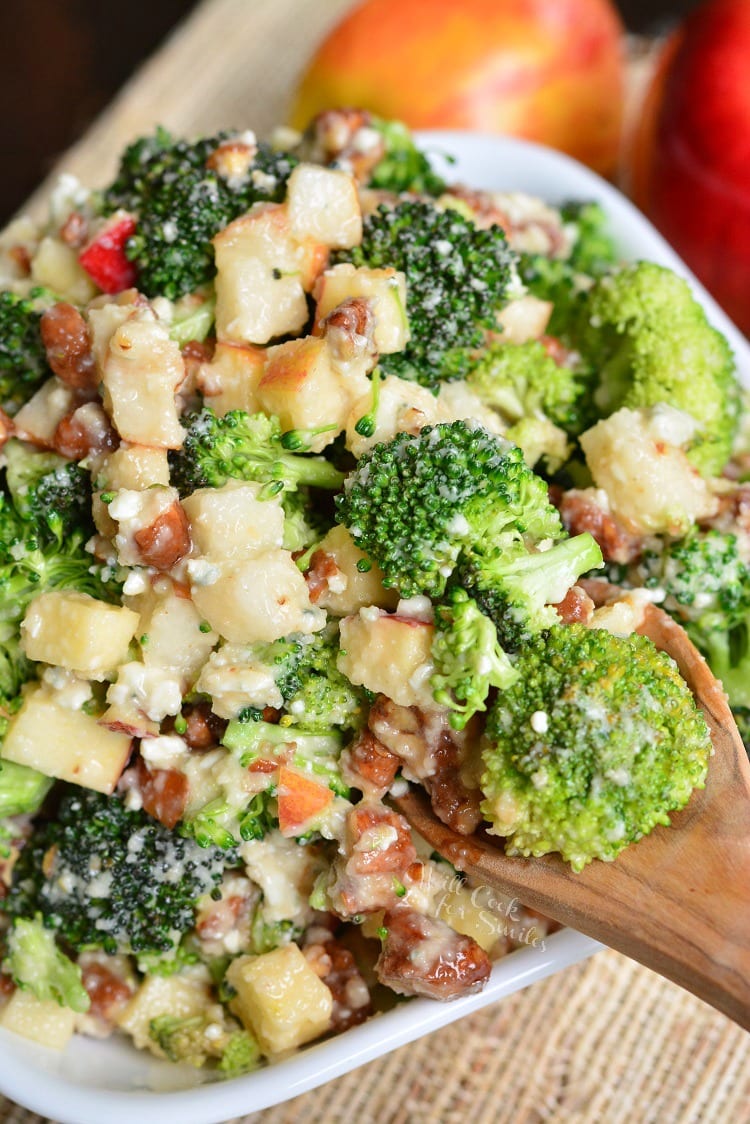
point(64, 59)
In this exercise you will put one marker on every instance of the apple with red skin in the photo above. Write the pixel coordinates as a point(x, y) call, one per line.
point(548, 70)
point(691, 154)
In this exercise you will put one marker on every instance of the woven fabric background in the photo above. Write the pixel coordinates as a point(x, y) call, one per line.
point(606, 1042)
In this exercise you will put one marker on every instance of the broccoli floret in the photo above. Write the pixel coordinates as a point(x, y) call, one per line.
point(304, 524)
point(651, 342)
point(468, 658)
point(593, 746)
point(51, 493)
point(517, 588)
point(198, 1039)
point(705, 581)
point(563, 280)
point(106, 877)
point(193, 317)
point(457, 277)
point(417, 504)
point(317, 696)
point(403, 167)
point(523, 381)
point(241, 446)
point(36, 964)
point(23, 359)
point(221, 823)
point(22, 790)
point(180, 202)
point(317, 754)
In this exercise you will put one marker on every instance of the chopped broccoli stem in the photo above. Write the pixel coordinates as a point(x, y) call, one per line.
point(22, 790)
point(403, 167)
point(197, 1039)
point(36, 964)
point(240, 446)
point(49, 492)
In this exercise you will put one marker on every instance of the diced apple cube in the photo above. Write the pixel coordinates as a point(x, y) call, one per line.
point(67, 744)
point(55, 266)
point(262, 597)
point(302, 387)
point(262, 275)
point(230, 380)
point(384, 288)
point(141, 373)
point(38, 418)
point(467, 910)
point(39, 1020)
point(324, 205)
point(280, 999)
point(173, 632)
point(136, 467)
point(77, 631)
point(388, 655)
point(524, 319)
point(180, 995)
point(351, 588)
point(231, 521)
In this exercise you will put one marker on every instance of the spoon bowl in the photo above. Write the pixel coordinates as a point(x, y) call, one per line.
point(678, 900)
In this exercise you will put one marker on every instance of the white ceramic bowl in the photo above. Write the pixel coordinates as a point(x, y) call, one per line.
point(95, 1081)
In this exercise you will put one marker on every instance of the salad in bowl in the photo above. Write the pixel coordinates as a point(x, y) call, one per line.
point(306, 448)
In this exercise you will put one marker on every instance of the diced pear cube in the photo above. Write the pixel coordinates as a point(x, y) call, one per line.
point(135, 467)
point(231, 521)
point(280, 999)
point(261, 597)
point(39, 1020)
point(67, 744)
point(262, 275)
point(388, 655)
point(141, 372)
point(302, 387)
point(324, 205)
point(230, 380)
point(351, 588)
point(384, 288)
point(77, 631)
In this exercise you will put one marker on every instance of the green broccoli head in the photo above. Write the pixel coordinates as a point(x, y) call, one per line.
point(597, 742)
point(705, 580)
point(49, 492)
point(103, 876)
point(457, 277)
point(468, 658)
point(522, 380)
point(418, 503)
point(23, 359)
point(241, 446)
point(403, 166)
point(22, 789)
point(181, 200)
point(317, 696)
point(199, 1039)
point(563, 280)
point(518, 588)
point(651, 342)
point(36, 964)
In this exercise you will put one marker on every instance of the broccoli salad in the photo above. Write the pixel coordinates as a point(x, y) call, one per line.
point(309, 458)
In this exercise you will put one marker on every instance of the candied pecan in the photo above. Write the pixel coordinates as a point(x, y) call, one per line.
point(424, 956)
point(204, 729)
point(368, 764)
point(74, 232)
point(322, 570)
point(66, 340)
point(107, 991)
point(166, 540)
point(351, 996)
point(84, 431)
point(453, 803)
point(377, 852)
point(576, 606)
point(349, 329)
point(164, 793)
point(580, 512)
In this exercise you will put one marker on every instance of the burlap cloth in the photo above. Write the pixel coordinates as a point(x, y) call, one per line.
point(605, 1042)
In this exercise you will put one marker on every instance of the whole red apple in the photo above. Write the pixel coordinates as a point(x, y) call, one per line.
point(548, 70)
point(691, 161)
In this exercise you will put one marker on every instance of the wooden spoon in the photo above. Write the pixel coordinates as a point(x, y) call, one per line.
point(678, 900)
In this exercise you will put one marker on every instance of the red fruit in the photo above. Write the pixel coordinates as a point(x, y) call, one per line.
point(691, 160)
point(104, 257)
point(299, 800)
